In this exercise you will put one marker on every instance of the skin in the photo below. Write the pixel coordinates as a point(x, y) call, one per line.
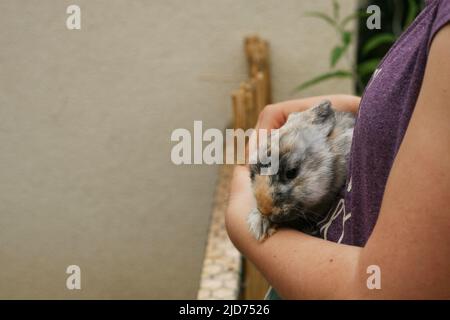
point(411, 240)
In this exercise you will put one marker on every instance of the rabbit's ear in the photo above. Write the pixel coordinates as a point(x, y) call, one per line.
point(322, 112)
point(323, 115)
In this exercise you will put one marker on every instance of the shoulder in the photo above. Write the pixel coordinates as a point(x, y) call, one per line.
point(441, 18)
point(438, 62)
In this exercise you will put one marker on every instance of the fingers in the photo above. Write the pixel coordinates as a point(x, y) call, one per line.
point(271, 117)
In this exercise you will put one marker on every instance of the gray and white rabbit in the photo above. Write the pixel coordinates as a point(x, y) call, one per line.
point(314, 146)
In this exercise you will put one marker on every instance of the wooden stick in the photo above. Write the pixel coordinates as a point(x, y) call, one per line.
point(261, 96)
point(239, 109)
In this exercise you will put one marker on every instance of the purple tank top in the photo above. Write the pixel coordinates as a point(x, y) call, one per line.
point(385, 110)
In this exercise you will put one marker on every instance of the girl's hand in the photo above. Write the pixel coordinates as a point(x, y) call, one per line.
point(275, 115)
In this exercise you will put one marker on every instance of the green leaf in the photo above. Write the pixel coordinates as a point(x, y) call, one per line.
point(355, 15)
point(336, 54)
point(375, 41)
point(336, 10)
point(322, 16)
point(412, 12)
point(346, 37)
point(338, 51)
point(323, 77)
point(368, 67)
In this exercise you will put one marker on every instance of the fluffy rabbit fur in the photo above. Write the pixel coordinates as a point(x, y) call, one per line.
point(313, 151)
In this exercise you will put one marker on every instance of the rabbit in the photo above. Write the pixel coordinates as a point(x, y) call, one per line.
point(314, 147)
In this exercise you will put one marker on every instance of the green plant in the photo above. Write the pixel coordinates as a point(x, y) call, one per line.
point(369, 61)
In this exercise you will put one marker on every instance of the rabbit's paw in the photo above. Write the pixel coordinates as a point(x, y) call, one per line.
point(259, 226)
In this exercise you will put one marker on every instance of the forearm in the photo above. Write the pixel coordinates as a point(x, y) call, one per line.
point(341, 102)
point(275, 115)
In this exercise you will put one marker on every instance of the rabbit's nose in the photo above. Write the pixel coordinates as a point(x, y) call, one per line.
point(264, 211)
point(263, 195)
point(264, 204)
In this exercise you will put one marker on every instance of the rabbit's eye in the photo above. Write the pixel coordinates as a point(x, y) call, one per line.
point(291, 173)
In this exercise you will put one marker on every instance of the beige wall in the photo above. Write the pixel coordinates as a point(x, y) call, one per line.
point(85, 124)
